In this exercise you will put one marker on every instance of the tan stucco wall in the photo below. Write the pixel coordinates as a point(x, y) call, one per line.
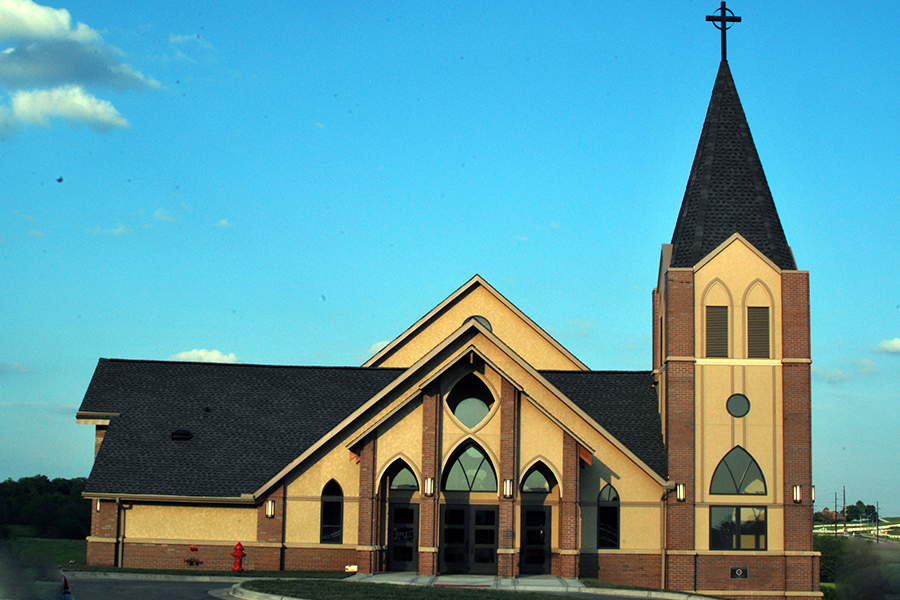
point(191, 523)
point(738, 277)
point(505, 323)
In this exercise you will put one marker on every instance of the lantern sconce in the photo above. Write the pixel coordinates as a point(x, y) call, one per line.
point(812, 494)
point(98, 504)
point(680, 493)
point(429, 486)
point(270, 509)
point(507, 488)
point(798, 494)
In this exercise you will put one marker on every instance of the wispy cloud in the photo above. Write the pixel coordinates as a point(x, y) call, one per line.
point(50, 65)
point(889, 346)
point(830, 375)
point(13, 367)
point(224, 224)
point(212, 356)
point(866, 366)
point(164, 215)
point(377, 347)
point(119, 230)
point(575, 328)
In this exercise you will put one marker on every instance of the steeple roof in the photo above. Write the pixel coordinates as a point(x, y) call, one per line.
point(727, 191)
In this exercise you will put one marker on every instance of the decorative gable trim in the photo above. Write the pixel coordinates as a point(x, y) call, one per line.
point(732, 239)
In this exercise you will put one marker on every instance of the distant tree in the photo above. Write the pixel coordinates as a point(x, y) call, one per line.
point(44, 507)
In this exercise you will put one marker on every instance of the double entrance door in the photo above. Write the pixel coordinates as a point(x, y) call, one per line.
point(469, 539)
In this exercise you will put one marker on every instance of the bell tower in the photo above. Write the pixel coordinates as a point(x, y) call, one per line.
point(732, 361)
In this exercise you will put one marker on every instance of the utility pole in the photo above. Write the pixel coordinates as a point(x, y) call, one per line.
point(835, 514)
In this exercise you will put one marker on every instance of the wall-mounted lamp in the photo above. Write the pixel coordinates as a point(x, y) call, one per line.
point(508, 488)
point(429, 486)
point(798, 494)
point(812, 494)
point(679, 492)
point(98, 504)
point(270, 509)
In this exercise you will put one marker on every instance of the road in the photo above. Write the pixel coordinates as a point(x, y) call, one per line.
point(130, 589)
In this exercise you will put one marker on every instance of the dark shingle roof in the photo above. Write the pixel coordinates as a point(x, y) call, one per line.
point(259, 419)
point(625, 403)
point(727, 191)
point(248, 422)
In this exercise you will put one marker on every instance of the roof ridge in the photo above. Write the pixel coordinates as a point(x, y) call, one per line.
point(241, 364)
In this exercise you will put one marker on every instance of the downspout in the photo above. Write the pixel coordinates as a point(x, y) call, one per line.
point(663, 533)
point(120, 532)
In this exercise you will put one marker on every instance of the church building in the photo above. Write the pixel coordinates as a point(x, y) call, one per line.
point(476, 443)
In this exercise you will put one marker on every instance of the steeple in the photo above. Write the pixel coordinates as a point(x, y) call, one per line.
point(727, 191)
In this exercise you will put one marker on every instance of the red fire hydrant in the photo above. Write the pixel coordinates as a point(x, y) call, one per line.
point(238, 555)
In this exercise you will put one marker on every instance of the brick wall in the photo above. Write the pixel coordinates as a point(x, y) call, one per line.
point(429, 514)
point(567, 563)
point(319, 559)
point(367, 533)
point(640, 570)
point(507, 566)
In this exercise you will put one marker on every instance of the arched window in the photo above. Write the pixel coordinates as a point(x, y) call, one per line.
point(332, 514)
point(608, 517)
point(470, 471)
point(538, 481)
point(738, 473)
point(470, 401)
point(404, 480)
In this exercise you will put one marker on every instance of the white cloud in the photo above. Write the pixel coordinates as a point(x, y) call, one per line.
point(213, 356)
point(180, 39)
point(866, 366)
point(69, 102)
point(889, 346)
point(224, 224)
point(51, 63)
point(830, 375)
point(13, 368)
point(377, 347)
point(25, 20)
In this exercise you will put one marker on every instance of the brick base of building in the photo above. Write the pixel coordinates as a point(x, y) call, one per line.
point(638, 570)
point(319, 559)
point(102, 554)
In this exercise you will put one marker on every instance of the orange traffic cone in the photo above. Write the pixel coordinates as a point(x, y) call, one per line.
point(67, 593)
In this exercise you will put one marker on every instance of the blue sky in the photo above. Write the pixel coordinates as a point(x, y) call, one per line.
point(297, 182)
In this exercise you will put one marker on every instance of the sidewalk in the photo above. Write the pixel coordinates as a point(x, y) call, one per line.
point(523, 583)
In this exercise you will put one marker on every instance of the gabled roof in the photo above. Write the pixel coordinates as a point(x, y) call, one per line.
point(477, 282)
point(246, 421)
point(727, 191)
point(624, 403)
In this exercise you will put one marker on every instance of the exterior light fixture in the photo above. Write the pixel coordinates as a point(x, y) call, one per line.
point(270, 509)
point(507, 488)
point(98, 504)
point(680, 493)
point(812, 494)
point(798, 494)
point(429, 486)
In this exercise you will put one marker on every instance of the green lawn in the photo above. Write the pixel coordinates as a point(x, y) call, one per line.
point(354, 590)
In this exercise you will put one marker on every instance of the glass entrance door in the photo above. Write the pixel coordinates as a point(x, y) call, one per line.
point(469, 539)
point(403, 539)
point(535, 540)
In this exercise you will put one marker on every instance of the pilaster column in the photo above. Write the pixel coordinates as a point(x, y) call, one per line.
point(429, 510)
point(569, 554)
point(367, 540)
point(507, 563)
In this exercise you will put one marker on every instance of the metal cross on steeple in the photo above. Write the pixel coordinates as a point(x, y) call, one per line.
point(721, 22)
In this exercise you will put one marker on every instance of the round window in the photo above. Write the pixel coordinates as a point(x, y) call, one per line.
point(738, 405)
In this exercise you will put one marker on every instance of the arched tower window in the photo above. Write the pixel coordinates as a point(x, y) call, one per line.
point(332, 514)
point(608, 517)
point(738, 473)
point(470, 470)
point(470, 401)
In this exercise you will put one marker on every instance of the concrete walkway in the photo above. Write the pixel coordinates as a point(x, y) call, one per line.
point(523, 583)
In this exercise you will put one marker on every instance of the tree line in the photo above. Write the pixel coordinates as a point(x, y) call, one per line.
point(42, 507)
point(849, 513)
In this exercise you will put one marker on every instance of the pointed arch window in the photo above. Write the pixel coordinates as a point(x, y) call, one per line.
point(738, 473)
point(404, 480)
point(608, 517)
point(470, 471)
point(332, 514)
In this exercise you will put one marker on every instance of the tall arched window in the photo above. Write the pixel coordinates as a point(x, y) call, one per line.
point(470, 471)
point(738, 473)
point(332, 514)
point(608, 517)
